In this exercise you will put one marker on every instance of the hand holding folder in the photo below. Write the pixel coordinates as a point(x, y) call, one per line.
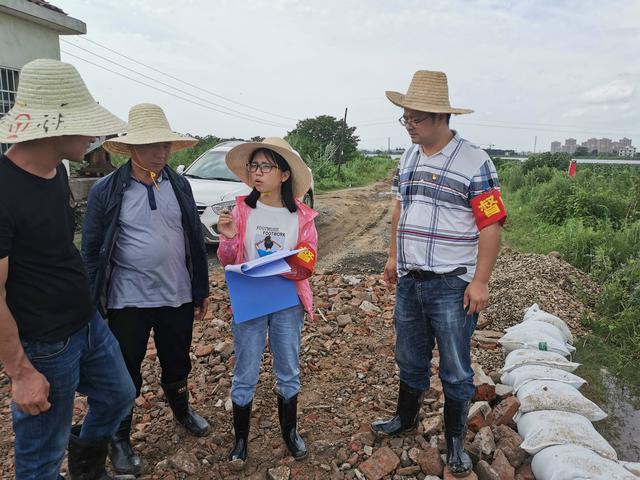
point(257, 289)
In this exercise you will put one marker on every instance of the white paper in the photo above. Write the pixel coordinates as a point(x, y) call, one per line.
point(266, 266)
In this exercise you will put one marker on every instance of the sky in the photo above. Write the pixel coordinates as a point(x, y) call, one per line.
point(550, 69)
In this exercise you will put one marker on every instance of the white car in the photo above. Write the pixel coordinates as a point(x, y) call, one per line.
point(215, 187)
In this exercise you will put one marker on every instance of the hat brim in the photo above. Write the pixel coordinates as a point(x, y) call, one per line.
point(22, 123)
point(122, 145)
point(237, 158)
point(400, 100)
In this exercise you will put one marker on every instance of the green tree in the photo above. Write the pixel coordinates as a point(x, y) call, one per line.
point(312, 136)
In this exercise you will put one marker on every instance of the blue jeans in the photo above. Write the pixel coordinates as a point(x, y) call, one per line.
point(249, 341)
point(430, 310)
point(89, 362)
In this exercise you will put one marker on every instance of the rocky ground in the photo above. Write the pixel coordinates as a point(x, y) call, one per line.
point(348, 372)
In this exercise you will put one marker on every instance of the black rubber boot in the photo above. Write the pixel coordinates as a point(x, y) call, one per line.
point(455, 429)
point(86, 460)
point(241, 421)
point(178, 397)
point(407, 413)
point(288, 415)
point(123, 459)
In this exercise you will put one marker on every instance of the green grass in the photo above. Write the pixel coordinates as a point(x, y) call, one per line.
point(593, 220)
point(358, 172)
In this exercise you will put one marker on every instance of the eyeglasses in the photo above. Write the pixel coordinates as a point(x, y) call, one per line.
point(264, 167)
point(404, 121)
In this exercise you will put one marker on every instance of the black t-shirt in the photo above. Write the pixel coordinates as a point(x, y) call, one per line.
point(47, 288)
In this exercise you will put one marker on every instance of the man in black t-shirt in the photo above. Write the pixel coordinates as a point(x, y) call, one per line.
point(53, 343)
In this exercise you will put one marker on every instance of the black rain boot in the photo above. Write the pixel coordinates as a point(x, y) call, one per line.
point(86, 460)
point(123, 458)
point(288, 415)
point(455, 429)
point(178, 397)
point(407, 413)
point(241, 421)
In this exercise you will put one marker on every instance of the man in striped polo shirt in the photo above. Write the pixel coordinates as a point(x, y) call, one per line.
point(445, 236)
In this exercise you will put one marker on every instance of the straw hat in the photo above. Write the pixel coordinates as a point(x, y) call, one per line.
point(147, 124)
point(428, 92)
point(239, 155)
point(53, 100)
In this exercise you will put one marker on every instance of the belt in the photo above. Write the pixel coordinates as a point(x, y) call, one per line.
point(428, 275)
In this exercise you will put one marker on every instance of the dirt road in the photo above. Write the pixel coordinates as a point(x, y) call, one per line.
point(353, 229)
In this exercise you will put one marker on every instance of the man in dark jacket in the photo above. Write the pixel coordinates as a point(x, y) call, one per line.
point(144, 252)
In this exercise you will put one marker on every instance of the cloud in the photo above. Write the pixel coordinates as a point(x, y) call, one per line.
point(616, 91)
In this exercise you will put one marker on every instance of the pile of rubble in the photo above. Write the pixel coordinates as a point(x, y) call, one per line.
point(349, 379)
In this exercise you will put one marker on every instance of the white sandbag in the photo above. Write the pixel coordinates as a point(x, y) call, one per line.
point(525, 373)
point(534, 328)
point(534, 341)
point(551, 427)
point(535, 313)
point(573, 462)
point(553, 395)
point(633, 467)
point(521, 357)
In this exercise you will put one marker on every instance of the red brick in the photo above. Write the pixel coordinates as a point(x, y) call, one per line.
point(450, 476)
point(381, 463)
point(524, 472)
point(506, 409)
point(430, 462)
point(502, 466)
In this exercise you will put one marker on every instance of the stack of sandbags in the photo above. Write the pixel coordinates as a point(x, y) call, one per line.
point(554, 418)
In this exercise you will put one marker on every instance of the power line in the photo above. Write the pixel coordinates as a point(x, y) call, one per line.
point(185, 82)
point(167, 92)
point(175, 88)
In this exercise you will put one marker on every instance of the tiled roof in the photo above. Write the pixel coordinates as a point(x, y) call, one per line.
point(45, 4)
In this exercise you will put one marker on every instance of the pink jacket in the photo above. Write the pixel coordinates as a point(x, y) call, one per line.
point(231, 250)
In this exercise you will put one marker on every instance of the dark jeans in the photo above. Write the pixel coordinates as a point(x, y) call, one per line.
point(88, 362)
point(430, 310)
point(172, 328)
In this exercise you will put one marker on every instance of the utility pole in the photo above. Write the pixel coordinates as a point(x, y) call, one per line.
point(341, 144)
point(388, 144)
point(535, 143)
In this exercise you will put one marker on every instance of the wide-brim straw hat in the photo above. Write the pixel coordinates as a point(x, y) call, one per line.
point(428, 92)
point(147, 124)
point(52, 100)
point(238, 157)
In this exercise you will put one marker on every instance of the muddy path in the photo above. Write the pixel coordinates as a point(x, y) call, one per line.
point(353, 229)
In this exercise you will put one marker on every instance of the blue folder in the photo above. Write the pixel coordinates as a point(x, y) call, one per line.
point(256, 290)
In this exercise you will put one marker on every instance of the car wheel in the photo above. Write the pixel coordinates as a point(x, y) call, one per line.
point(308, 199)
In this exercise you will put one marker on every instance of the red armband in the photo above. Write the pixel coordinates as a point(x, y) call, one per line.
point(488, 208)
point(305, 259)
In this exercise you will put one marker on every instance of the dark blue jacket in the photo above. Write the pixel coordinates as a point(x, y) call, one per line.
point(100, 232)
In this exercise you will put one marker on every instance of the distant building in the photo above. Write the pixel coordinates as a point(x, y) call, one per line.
point(592, 145)
point(627, 151)
point(571, 145)
point(604, 145)
point(498, 152)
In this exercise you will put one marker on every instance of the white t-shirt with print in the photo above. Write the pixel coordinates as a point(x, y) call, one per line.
point(269, 230)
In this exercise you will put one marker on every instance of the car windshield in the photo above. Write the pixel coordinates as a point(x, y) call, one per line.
point(211, 166)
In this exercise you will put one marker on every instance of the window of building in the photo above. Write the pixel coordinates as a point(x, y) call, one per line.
point(8, 88)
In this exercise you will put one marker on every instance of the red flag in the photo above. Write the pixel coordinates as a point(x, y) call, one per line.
point(572, 168)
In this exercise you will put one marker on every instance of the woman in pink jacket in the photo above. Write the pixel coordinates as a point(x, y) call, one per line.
point(267, 220)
